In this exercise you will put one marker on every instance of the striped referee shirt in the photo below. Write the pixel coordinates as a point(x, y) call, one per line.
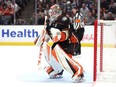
point(78, 21)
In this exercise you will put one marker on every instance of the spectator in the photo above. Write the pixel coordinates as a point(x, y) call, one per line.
point(101, 14)
point(90, 20)
point(104, 11)
point(52, 2)
point(20, 4)
point(68, 7)
point(40, 8)
point(93, 7)
point(46, 2)
point(8, 2)
point(32, 19)
point(1, 14)
point(9, 15)
point(9, 10)
point(113, 2)
point(17, 9)
point(21, 22)
point(112, 8)
point(40, 18)
point(80, 3)
point(84, 10)
point(15, 6)
point(60, 2)
point(3, 4)
point(46, 11)
point(104, 4)
point(88, 3)
point(109, 16)
point(1, 11)
point(75, 3)
point(94, 13)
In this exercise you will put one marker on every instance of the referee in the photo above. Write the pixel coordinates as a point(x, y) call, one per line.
point(78, 24)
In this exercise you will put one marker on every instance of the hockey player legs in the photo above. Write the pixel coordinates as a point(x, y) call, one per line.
point(55, 68)
point(59, 48)
point(59, 60)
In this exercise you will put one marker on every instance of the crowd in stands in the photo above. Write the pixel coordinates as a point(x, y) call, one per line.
point(87, 7)
point(10, 10)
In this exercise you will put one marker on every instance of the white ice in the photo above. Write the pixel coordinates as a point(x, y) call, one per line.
point(18, 68)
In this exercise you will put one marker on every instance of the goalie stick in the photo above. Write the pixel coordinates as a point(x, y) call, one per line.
point(41, 49)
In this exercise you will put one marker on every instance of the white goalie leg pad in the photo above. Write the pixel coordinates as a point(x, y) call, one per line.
point(63, 57)
point(51, 60)
point(58, 55)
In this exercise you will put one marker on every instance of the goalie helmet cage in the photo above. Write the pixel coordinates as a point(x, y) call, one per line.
point(104, 46)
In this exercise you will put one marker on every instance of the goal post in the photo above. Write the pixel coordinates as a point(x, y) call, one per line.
point(104, 47)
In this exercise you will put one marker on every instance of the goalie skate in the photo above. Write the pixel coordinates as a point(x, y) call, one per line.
point(78, 79)
point(57, 76)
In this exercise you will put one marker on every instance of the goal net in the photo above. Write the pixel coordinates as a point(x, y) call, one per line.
point(104, 51)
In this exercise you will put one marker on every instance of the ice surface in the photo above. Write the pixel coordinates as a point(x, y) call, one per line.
point(18, 68)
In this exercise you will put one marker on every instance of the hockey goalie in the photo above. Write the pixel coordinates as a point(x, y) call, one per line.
point(58, 43)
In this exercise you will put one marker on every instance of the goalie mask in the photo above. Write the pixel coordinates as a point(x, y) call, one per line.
point(54, 12)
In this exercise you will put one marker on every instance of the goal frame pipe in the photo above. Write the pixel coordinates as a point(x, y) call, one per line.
point(101, 46)
point(95, 50)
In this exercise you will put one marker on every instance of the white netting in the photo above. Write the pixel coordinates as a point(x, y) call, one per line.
point(107, 38)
